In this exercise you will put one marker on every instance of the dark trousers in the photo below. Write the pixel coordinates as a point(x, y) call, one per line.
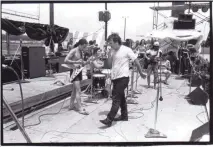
point(118, 98)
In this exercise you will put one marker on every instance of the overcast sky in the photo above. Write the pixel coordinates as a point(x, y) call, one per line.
point(84, 17)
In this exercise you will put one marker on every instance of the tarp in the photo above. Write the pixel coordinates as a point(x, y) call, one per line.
point(36, 31)
point(13, 27)
point(170, 39)
point(178, 35)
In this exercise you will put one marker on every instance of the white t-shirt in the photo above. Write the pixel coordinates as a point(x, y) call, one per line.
point(153, 52)
point(165, 64)
point(120, 62)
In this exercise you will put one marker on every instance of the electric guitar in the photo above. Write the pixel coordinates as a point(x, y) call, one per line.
point(153, 58)
point(77, 68)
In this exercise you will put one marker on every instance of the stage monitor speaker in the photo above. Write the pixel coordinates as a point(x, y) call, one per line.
point(199, 132)
point(184, 25)
point(185, 17)
point(197, 97)
point(34, 61)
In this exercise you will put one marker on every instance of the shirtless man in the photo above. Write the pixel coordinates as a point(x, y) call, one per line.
point(75, 58)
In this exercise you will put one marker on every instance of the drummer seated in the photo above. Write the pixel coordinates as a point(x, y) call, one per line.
point(95, 65)
point(165, 68)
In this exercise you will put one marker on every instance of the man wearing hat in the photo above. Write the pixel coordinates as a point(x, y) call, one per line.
point(152, 55)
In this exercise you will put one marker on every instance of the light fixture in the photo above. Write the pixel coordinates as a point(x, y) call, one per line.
point(194, 8)
point(204, 9)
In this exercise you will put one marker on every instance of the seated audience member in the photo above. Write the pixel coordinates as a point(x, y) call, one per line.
point(165, 68)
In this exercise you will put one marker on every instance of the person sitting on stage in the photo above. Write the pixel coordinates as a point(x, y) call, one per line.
point(75, 58)
point(165, 68)
point(152, 56)
point(118, 60)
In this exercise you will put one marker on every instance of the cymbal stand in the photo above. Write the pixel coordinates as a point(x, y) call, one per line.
point(137, 77)
point(91, 97)
point(192, 69)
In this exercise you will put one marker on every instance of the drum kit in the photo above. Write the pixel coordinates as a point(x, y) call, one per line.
point(100, 85)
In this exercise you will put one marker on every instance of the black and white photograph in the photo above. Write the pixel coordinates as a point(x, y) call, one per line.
point(105, 72)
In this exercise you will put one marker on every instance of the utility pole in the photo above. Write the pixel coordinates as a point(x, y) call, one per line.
point(105, 24)
point(125, 17)
point(51, 22)
point(189, 8)
point(124, 28)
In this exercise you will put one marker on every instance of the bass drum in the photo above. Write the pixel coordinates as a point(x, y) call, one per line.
point(99, 81)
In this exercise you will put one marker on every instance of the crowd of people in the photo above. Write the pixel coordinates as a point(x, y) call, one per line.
point(146, 57)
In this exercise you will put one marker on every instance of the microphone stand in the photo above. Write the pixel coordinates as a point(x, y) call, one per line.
point(191, 70)
point(153, 133)
point(131, 101)
point(136, 90)
point(22, 66)
point(180, 60)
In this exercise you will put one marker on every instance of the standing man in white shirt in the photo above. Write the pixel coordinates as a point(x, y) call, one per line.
point(118, 60)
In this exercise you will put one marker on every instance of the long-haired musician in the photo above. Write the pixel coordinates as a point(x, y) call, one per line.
point(151, 55)
point(75, 58)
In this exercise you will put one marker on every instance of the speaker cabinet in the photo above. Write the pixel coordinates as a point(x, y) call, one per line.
point(185, 17)
point(34, 61)
point(197, 97)
point(199, 132)
point(184, 25)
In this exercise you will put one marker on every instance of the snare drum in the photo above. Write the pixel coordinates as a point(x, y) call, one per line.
point(99, 81)
point(106, 72)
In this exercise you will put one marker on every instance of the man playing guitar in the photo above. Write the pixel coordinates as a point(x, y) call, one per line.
point(152, 55)
point(75, 60)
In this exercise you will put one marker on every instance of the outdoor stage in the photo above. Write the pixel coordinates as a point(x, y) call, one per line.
point(176, 119)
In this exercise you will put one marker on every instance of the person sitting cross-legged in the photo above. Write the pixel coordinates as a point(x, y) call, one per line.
point(165, 68)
